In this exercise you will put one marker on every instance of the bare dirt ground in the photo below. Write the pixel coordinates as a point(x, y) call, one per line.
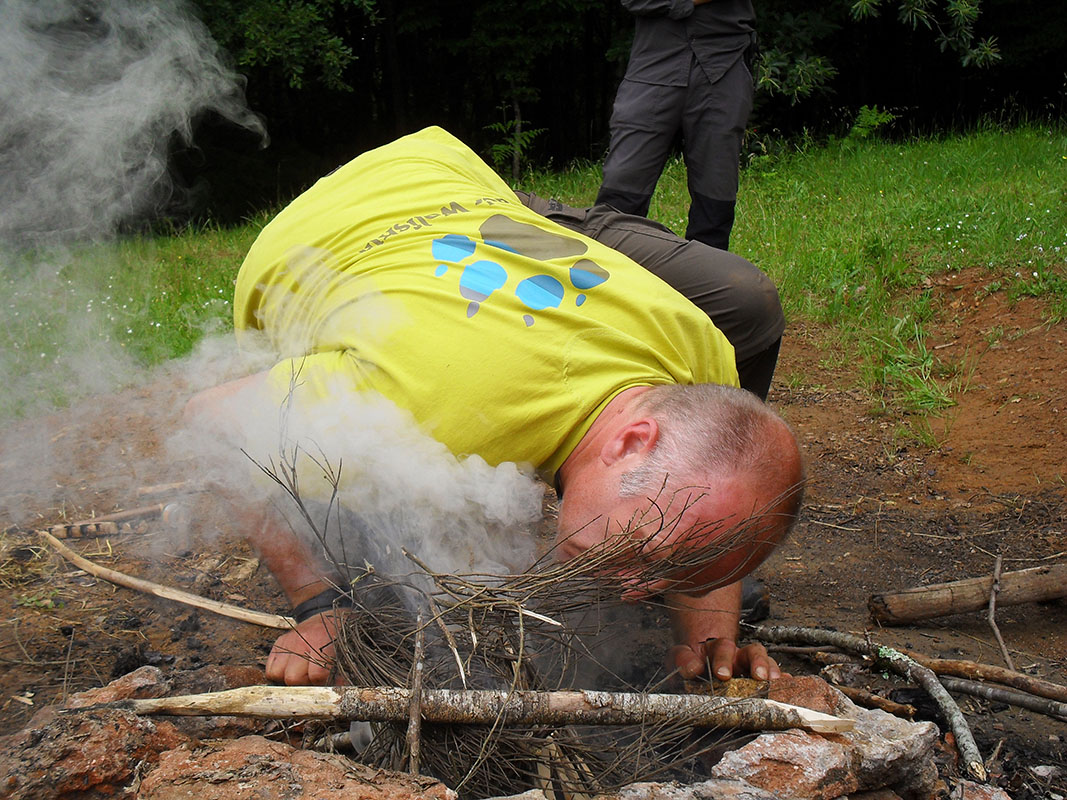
point(883, 512)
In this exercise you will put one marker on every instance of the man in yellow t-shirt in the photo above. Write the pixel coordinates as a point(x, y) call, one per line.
point(415, 273)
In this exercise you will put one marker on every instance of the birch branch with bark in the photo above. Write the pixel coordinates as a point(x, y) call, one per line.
point(485, 707)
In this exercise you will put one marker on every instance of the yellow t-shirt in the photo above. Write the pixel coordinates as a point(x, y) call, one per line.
point(413, 271)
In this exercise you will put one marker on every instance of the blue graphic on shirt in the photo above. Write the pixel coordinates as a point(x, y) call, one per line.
point(479, 279)
point(453, 247)
point(540, 291)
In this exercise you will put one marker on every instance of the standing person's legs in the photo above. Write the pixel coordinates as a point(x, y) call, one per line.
point(644, 121)
point(735, 294)
point(713, 127)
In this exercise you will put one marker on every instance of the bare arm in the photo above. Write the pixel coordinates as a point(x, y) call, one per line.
point(705, 628)
point(305, 654)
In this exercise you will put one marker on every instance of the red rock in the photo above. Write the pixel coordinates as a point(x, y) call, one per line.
point(968, 790)
point(714, 789)
point(98, 752)
point(252, 768)
point(83, 755)
point(882, 751)
point(792, 764)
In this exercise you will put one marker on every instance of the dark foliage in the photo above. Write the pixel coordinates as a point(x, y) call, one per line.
point(335, 77)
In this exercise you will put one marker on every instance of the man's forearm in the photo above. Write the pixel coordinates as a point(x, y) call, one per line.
point(300, 574)
point(714, 615)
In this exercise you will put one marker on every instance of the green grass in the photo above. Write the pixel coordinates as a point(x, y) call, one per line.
point(90, 318)
point(852, 232)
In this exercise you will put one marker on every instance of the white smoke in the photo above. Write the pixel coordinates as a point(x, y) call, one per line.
point(91, 96)
point(373, 482)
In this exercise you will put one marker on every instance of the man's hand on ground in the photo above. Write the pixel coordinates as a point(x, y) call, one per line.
point(705, 626)
point(304, 656)
point(726, 658)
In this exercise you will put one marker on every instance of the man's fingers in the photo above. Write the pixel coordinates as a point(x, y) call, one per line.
point(726, 660)
point(753, 658)
point(687, 661)
point(303, 656)
point(722, 653)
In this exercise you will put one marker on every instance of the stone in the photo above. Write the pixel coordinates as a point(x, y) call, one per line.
point(969, 790)
point(714, 789)
point(792, 764)
point(79, 755)
point(81, 751)
point(252, 768)
point(882, 751)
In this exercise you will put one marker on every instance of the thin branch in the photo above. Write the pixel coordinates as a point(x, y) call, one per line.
point(415, 708)
point(155, 589)
point(999, 694)
point(992, 616)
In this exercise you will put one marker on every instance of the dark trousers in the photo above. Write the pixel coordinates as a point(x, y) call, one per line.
point(711, 117)
point(735, 294)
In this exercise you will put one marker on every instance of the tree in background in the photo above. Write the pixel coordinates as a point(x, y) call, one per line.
point(534, 80)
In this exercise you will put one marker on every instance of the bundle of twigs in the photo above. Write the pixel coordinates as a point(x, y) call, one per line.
point(520, 632)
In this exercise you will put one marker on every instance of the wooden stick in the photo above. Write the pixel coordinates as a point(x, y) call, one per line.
point(108, 524)
point(485, 707)
point(999, 694)
point(989, 672)
point(155, 589)
point(862, 697)
point(994, 590)
point(923, 602)
point(899, 663)
point(415, 706)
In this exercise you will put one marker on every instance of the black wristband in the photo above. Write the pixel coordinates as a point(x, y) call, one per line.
point(326, 600)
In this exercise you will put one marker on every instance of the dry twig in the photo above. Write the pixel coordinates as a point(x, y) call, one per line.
point(992, 615)
point(989, 672)
point(415, 706)
point(156, 590)
point(999, 694)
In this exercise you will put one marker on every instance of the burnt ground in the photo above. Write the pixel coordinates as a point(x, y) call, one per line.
point(886, 509)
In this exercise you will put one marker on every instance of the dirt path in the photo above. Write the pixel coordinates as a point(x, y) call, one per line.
point(883, 511)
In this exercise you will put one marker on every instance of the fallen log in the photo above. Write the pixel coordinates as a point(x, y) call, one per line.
point(957, 597)
point(486, 707)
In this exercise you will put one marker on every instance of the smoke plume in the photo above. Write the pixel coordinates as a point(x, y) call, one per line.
point(91, 96)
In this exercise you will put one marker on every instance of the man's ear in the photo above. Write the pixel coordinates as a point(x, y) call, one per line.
point(635, 439)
